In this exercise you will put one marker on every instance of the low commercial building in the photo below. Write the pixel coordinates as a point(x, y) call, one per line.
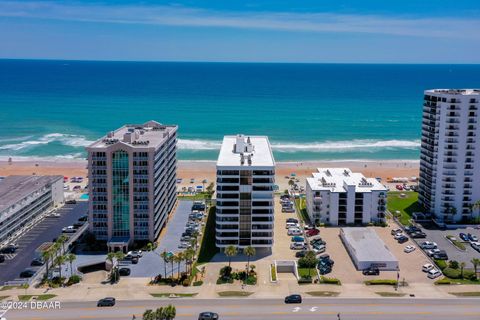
point(339, 196)
point(24, 198)
point(245, 188)
point(367, 249)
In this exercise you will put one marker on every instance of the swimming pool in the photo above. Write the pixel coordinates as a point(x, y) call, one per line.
point(84, 197)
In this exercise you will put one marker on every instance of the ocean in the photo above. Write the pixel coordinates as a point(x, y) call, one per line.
point(53, 109)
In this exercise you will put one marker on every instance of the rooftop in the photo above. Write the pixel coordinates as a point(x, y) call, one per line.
point(335, 180)
point(15, 188)
point(465, 92)
point(246, 151)
point(367, 245)
point(149, 134)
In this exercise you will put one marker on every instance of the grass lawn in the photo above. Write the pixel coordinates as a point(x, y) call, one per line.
point(208, 248)
point(11, 287)
point(466, 294)
point(40, 297)
point(301, 207)
point(456, 243)
point(273, 272)
point(3, 297)
point(234, 293)
point(167, 295)
point(197, 196)
point(390, 294)
point(407, 205)
point(323, 293)
point(303, 272)
point(446, 280)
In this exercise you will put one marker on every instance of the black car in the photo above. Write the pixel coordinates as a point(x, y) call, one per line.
point(72, 201)
point(2, 258)
point(402, 239)
point(442, 255)
point(371, 272)
point(27, 273)
point(83, 218)
point(292, 220)
point(124, 272)
point(326, 258)
point(300, 254)
point(208, 316)
point(412, 229)
point(106, 302)
point(134, 260)
point(8, 249)
point(78, 224)
point(37, 262)
point(418, 235)
point(293, 298)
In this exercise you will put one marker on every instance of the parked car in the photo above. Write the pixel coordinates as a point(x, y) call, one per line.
point(472, 237)
point(396, 231)
point(399, 187)
point(298, 239)
point(409, 249)
point(319, 248)
point(134, 260)
point(412, 229)
point(312, 232)
point(37, 262)
point(289, 225)
point(434, 273)
point(475, 245)
point(442, 255)
point(428, 245)
point(300, 254)
point(463, 236)
point(418, 235)
point(432, 252)
point(71, 201)
point(292, 220)
point(371, 272)
point(106, 302)
point(124, 272)
point(69, 229)
point(427, 267)
point(402, 239)
point(2, 258)
point(398, 236)
point(293, 298)
point(326, 258)
point(8, 249)
point(298, 246)
point(27, 273)
point(294, 232)
point(208, 316)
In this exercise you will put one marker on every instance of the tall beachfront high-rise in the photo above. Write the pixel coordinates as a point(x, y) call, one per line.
point(450, 154)
point(245, 188)
point(132, 176)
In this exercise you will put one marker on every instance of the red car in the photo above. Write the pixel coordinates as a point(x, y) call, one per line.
point(399, 187)
point(312, 232)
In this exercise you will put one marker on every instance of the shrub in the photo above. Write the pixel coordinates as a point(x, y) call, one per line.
point(451, 273)
point(186, 283)
point(74, 279)
point(251, 280)
point(453, 264)
point(330, 280)
point(443, 281)
point(441, 264)
point(197, 283)
point(381, 282)
point(226, 272)
point(304, 280)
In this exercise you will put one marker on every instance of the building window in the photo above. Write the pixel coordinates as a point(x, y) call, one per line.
point(120, 194)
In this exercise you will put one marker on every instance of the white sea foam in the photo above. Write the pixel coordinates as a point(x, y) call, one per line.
point(327, 146)
point(65, 139)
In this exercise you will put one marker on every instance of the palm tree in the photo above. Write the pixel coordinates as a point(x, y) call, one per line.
point(165, 256)
point(62, 239)
point(179, 257)
point(59, 261)
point(204, 181)
point(70, 258)
point(189, 255)
point(148, 315)
point(46, 256)
point(462, 265)
point(230, 251)
point(475, 262)
point(149, 246)
point(159, 314)
point(169, 312)
point(249, 252)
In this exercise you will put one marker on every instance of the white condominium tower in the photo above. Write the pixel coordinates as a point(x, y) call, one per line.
point(245, 188)
point(338, 196)
point(132, 177)
point(450, 154)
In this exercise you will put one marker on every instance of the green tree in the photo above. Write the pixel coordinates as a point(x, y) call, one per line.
point(475, 262)
point(59, 261)
point(310, 260)
point(166, 259)
point(148, 315)
point(149, 246)
point(62, 239)
point(70, 258)
point(462, 266)
point(179, 257)
point(113, 257)
point(169, 312)
point(230, 252)
point(189, 255)
point(47, 256)
point(249, 252)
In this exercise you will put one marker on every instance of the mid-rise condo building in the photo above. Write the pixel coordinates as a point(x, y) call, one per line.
point(132, 177)
point(450, 154)
point(245, 192)
point(25, 198)
point(338, 196)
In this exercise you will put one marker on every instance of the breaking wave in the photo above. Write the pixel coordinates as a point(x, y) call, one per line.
point(65, 139)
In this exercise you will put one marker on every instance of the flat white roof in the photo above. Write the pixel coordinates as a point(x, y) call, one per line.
point(261, 156)
point(366, 245)
point(335, 179)
point(465, 92)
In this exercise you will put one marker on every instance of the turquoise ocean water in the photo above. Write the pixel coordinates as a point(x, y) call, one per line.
point(309, 111)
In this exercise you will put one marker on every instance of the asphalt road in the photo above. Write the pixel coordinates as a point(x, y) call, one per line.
point(259, 309)
point(44, 231)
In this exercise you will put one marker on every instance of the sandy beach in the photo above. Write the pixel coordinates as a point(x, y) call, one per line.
point(200, 170)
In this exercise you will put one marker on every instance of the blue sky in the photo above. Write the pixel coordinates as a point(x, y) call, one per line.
point(364, 31)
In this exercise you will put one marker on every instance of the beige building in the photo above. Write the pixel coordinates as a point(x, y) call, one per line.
point(132, 177)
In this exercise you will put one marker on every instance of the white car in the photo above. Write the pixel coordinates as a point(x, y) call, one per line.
point(398, 236)
point(431, 252)
point(475, 245)
point(428, 245)
point(409, 249)
point(292, 225)
point(297, 246)
point(434, 273)
point(427, 267)
point(294, 232)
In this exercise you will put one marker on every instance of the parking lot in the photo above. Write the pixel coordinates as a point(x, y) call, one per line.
point(45, 231)
point(439, 237)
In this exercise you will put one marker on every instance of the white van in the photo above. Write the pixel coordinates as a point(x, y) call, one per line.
point(434, 273)
point(292, 225)
point(297, 245)
point(294, 232)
